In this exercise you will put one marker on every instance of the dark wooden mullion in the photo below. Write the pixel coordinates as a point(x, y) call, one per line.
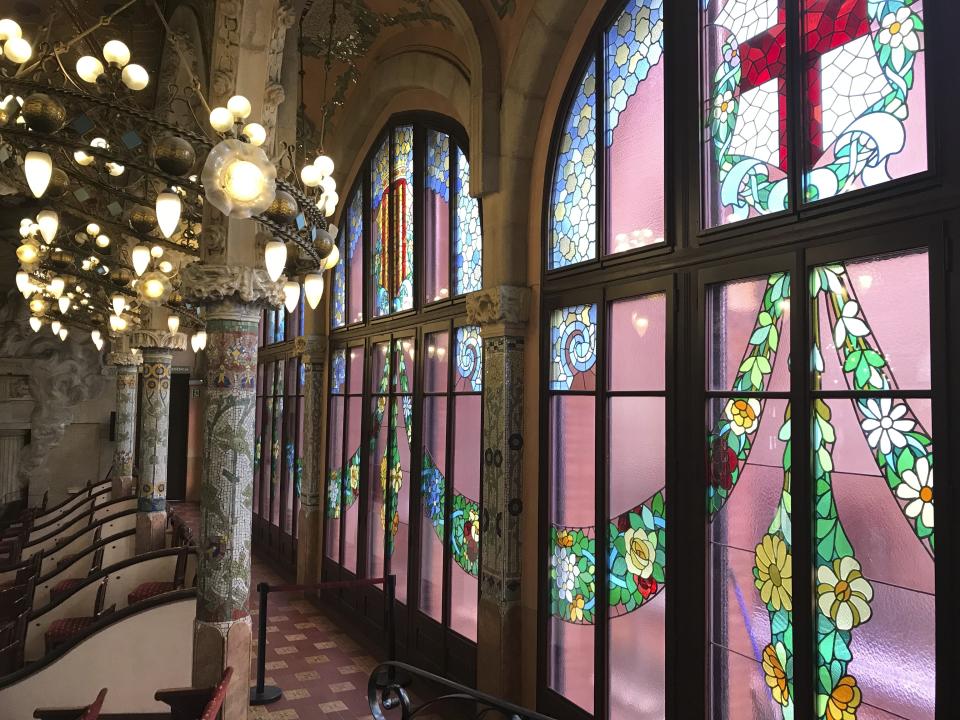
point(419, 201)
point(344, 479)
point(453, 207)
point(366, 414)
point(797, 125)
point(448, 492)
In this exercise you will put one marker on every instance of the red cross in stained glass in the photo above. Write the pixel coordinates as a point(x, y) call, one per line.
point(827, 24)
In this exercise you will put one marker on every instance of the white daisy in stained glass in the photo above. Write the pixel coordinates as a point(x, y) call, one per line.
point(884, 423)
point(917, 489)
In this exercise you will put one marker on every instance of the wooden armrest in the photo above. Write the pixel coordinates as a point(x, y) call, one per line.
point(59, 713)
point(185, 703)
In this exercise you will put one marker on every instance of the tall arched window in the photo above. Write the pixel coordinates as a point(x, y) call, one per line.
point(403, 443)
point(738, 438)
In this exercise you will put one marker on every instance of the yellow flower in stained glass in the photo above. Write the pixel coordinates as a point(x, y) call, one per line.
point(576, 608)
point(354, 477)
point(774, 573)
point(774, 659)
point(743, 415)
point(564, 539)
point(843, 594)
point(844, 700)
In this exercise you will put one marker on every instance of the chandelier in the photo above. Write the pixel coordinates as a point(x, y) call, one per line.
point(121, 191)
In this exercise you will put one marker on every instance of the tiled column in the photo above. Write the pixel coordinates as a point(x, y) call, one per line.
point(313, 354)
point(502, 314)
point(157, 349)
point(127, 364)
point(234, 298)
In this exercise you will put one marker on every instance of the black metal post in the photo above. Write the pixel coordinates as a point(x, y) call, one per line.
point(263, 695)
point(389, 622)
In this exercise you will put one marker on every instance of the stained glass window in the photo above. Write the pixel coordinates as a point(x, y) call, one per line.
point(573, 343)
point(380, 220)
point(401, 189)
point(864, 96)
point(339, 295)
point(469, 241)
point(354, 258)
point(437, 217)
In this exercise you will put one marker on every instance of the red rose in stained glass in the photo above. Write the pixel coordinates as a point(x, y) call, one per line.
point(646, 586)
point(723, 461)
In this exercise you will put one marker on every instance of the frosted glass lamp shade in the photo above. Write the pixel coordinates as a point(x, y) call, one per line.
point(64, 304)
point(168, 212)
point(55, 327)
point(291, 295)
point(119, 303)
point(275, 259)
point(63, 334)
point(333, 258)
point(38, 167)
point(239, 179)
point(313, 288)
point(140, 256)
point(56, 287)
point(89, 69)
point(311, 176)
point(173, 323)
point(239, 107)
point(35, 323)
point(17, 50)
point(116, 52)
point(324, 163)
point(221, 119)
point(98, 342)
point(48, 221)
point(135, 77)
point(255, 133)
point(23, 283)
point(9, 29)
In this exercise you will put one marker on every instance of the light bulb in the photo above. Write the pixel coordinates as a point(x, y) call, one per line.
point(64, 304)
point(153, 288)
point(333, 258)
point(255, 133)
point(115, 169)
point(243, 180)
point(166, 266)
point(56, 287)
point(93, 229)
point(94, 335)
point(83, 158)
point(239, 107)
point(55, 326)
point(275, 258)
point(37, 305)
point(17, 50)
point(329, 208)
point(98, 342)
point(9, 29)
point(89, 68)
point(23, 282)
point(311, 176)
point(173, 323)
point(156, 252)
point(116, 52)
point(193, 343)
point(313, 288)
point(324, 164)
point(135, 77)
point(328, 184)
point(27, 253)
point(117, 323)
point(36, 323)
point(140, 257)
point(119, 303)
point(201, 338)
point(48, 221)
point(168, 212)
point(221, 119)
point(63, 334)
point(100, 143)
point(38, 167)
point(103, 241)
point(291, 295)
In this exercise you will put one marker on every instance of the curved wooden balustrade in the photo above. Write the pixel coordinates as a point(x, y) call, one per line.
point(50, 514)
point(116, 548)
point(51, 537)
point(83, 507)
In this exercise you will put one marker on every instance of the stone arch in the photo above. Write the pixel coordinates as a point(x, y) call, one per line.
point(173, 76)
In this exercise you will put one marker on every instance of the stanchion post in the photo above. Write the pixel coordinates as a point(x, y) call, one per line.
point(261, 694)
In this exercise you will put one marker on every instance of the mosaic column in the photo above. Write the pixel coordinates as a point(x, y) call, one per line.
point(313, 354)
point(234, 298)
point(127, 364)
point(502, 314)
point(157, 348)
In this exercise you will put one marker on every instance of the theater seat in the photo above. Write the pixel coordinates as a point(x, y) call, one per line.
point(65, 587)
point(148, 590)
point(60, 631)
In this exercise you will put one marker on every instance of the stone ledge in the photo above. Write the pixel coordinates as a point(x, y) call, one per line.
point(205, 284)
point(505, 308)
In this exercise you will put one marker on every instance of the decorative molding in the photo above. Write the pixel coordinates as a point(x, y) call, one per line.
point(274, 94)
point(158, 340)
point(125, 357)
point(504, 309)
point(312, 349)
point(208, 284)
point(14, 387)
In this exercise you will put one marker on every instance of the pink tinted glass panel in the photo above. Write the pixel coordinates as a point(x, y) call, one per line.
point(431, 545)
point(435, 368)
point(380, 364)
point(571, 649)
point(352, 515)
point(466, 464)
point(437, 247)
point(637, 647)
point(355, 371)
point(404, 354)
point(375, 530)
point(401, 548)
point(636, 450)
point(638, 343)
point(636, 169)
point(335, 463)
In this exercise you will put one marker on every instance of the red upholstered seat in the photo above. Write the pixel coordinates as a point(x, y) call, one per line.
point(65, 587)
point(148, 590)
point(62, 630)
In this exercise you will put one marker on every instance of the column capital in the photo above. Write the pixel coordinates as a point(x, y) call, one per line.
point(130, 357)
point(312, 349)
point(500, 310)
point(205, 284)
point(158, 340)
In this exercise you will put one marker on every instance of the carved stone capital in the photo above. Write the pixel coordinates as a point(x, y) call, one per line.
point(158, 340)
point(312, 348)
point(501, 310)
point(207, 284)
point(125, 357)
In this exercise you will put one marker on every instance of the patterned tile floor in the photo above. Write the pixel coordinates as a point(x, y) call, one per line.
point(323, 672)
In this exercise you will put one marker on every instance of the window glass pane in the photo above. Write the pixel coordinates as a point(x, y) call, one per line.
point(279, 325)
point(355, 381)
point(573, 348)
point(339, 299)
point(744, 87)
point(398, 536)
point(465, 517)
point(334, 478)
point(469, 240)
point(433, 497)
point(351, 516)
point(258, 447)
point(436, 223)
point(865, 75)
point(376, 495)
point(638, 331)
point(573, 555)
point(573, 231)
point(276, 455)
point(380, 219)
point(435, 372)
point(635, 127)
point(469, 377)
point(404, 354)
point(401, 189)
point(354, 257)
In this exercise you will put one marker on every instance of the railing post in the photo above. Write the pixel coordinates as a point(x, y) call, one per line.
point(263, 695)
point(389, 622)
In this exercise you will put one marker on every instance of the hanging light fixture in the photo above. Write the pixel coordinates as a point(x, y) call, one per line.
point(56, 286)
point(49, 221)
point(64, 303)
point(313, 289)
point(36, 323)
point(38, 168)
point(140, 257)
point(291, 295)
point(199, 340)
point(333, 258)
point(275, 258)
point(117, 323)
point(173, 324)
point(168, 212)
point(63, 334)
point(23, 283)
point(119, 303)
point(55, 327)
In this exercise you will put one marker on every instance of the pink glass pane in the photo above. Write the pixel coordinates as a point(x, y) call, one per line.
point(466, 463)
point(404, 354)
point(355, 371)
point(401, 547)
point(375, 501)
point(738, 327)
point(431, 543)
point(637, 648)
point(354, 249)
point(437, 218)
point(352, 515)
point(638, 343)
point(636, 452)
point(378, 372)
point(435, 368)
point(570, 660)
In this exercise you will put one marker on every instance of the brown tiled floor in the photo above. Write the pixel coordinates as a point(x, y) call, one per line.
point(323, 673)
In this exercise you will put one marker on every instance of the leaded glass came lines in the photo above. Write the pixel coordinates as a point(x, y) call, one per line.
point(469, 241)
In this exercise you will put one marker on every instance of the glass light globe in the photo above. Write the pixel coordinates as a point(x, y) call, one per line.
point(100, 143)
point(275, 259)
point(93, 229)
point(239, 107)
point(56, 287)
point(166, 266)
point(173, 323)
point(94, 335)
point(38, 167)
point(291, 295)
point(156, 252)
point(328, 184)
point(35, 323)
point(201, 338)
point(311, 176)
point(103, 241)
point(98, 342)
point(119, 303)
point(9, 29)
point(63, 334)
point(135, 77)
point(332, 259)
point(117, 323)
point(64, 304)
point(55, 326)
point(329, 208)
point(324, 164)
point(89, 68)
point(17, 50)
point(140, 257)
point(115, 169)
point(168, 212)
point(49, 221)
point(221, 119)
point(116, 52)
point(154, 288)
point(255, 133)
point(243, 180)
point(37, 305)
point(313, 289)
point(23, 281)
point(82, 158)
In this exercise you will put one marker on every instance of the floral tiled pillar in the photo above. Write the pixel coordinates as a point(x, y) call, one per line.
point(234, 298)
point(157, 349)
point(313, 354)
point(127, 364)
point(502, 314)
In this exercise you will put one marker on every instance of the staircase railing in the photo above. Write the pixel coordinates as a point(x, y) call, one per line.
point(387, 692)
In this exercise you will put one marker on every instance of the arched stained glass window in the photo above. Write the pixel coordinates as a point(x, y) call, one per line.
point(630, 58)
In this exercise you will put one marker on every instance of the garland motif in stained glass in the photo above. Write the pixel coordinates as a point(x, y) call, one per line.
point(379, 197)
point(469, 239)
